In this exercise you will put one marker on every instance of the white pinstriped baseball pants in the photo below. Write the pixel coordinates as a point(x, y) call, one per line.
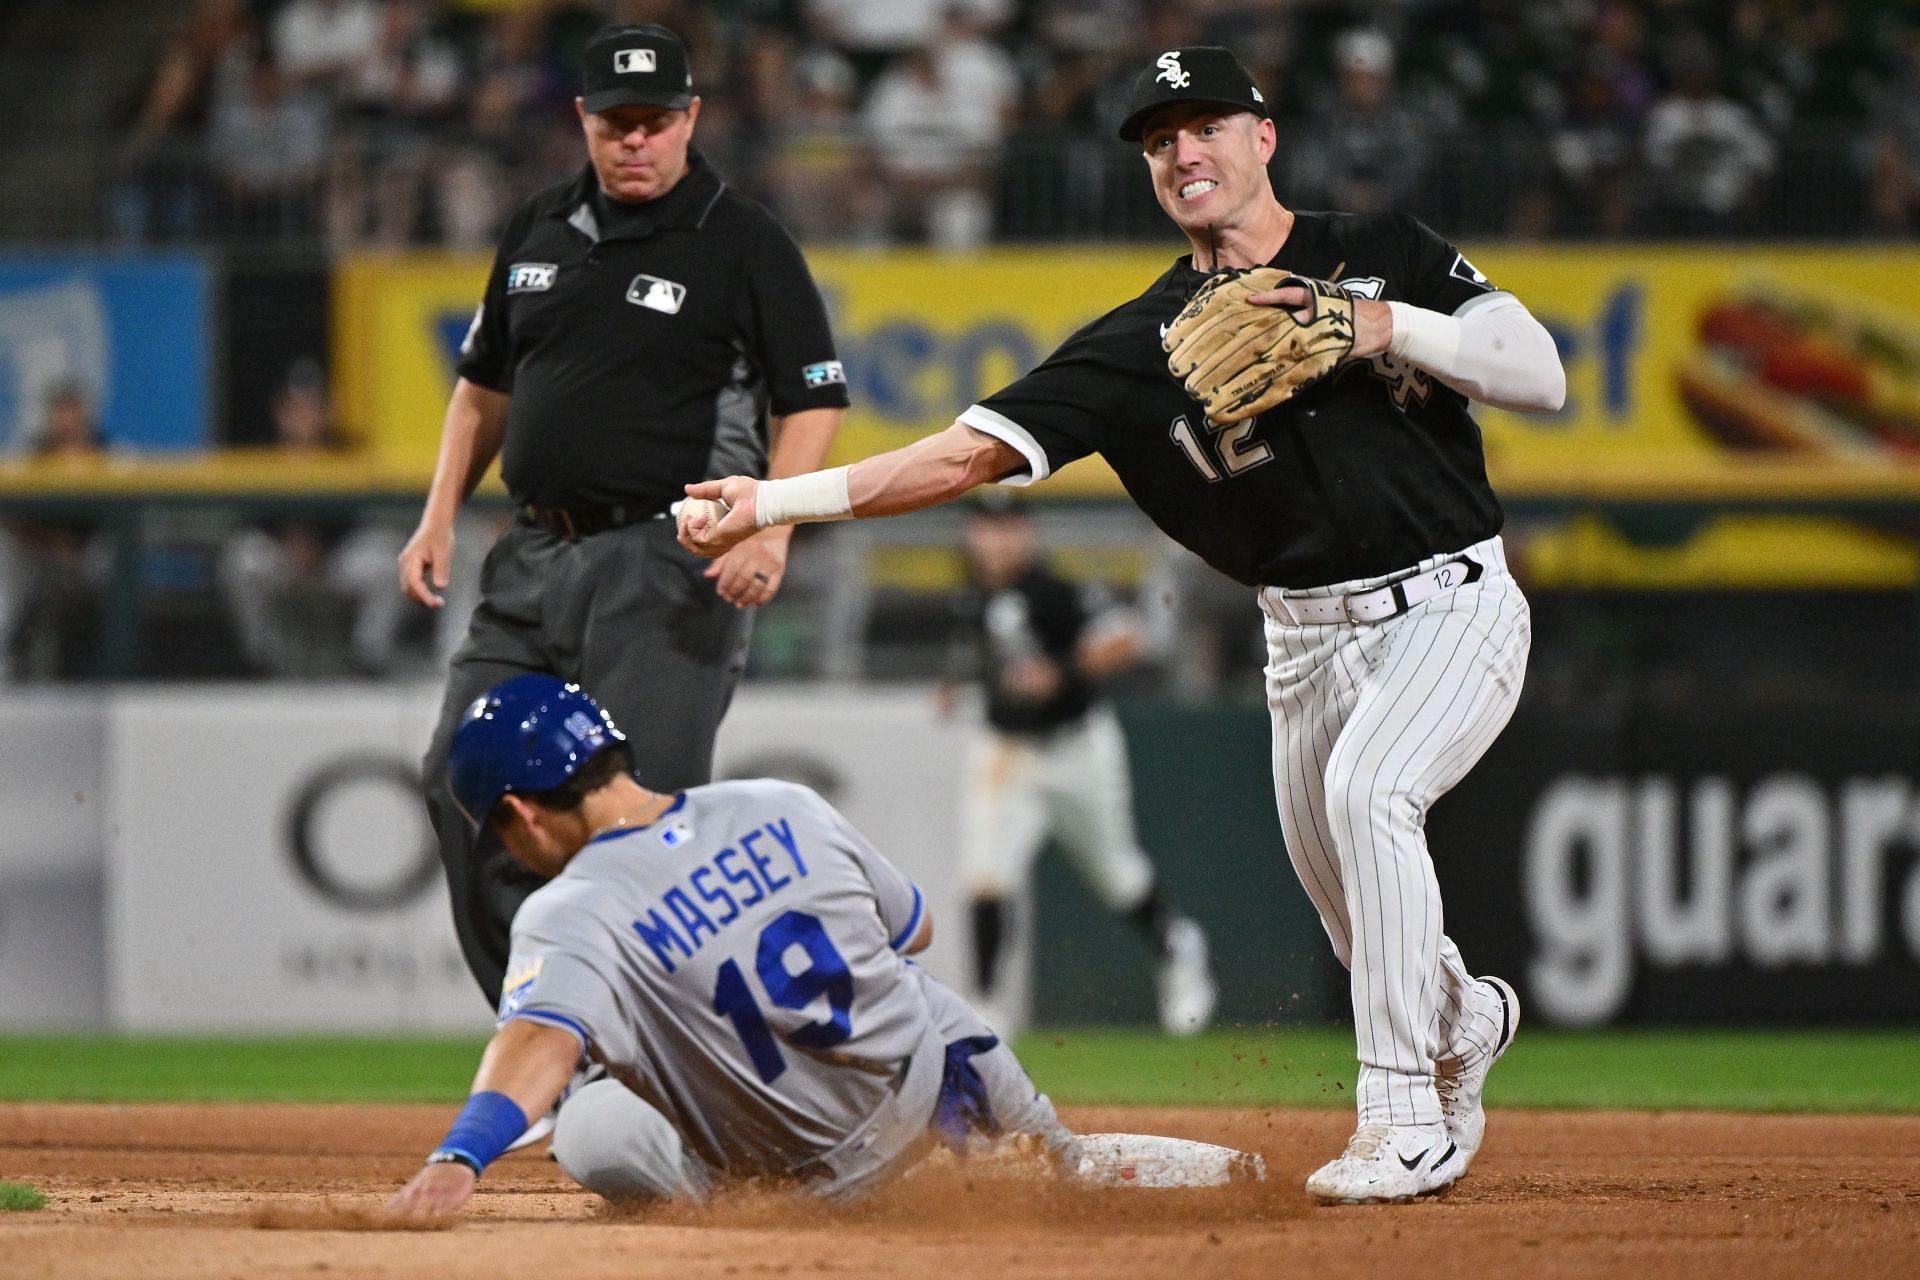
point(1373, 722)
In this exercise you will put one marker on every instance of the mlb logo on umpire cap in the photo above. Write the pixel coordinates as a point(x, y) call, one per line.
point(635, 66)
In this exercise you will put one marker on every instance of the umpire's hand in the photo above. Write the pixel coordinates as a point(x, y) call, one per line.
point(751, 573)
point(427, 558)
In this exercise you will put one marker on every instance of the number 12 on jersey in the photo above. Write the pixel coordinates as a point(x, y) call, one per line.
point(824, 975)
point(1237, 453)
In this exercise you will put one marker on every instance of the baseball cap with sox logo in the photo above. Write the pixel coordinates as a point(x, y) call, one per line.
point(1198, 73)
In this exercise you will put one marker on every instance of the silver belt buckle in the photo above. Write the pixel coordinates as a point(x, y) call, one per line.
point(1346, 607)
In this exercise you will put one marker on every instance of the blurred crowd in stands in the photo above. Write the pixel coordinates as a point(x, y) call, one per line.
point(955, 122)
point(281, 596)
point(339, 124)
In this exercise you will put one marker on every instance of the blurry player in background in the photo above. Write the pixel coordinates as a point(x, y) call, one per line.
point(1052, 763)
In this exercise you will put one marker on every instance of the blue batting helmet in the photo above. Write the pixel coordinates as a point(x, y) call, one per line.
point(530, 733)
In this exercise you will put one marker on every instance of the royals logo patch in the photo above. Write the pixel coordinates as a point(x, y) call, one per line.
point(518, 986)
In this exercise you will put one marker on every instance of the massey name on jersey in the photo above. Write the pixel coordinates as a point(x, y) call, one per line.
point(756, 870)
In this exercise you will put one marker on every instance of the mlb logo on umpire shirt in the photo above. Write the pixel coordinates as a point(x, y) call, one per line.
point(626, 60)
point(656, 294)
point(824, 374)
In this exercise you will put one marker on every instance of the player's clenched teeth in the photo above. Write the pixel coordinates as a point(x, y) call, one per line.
point(1198, 187)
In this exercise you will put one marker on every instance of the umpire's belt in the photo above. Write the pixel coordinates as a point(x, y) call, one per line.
point(585, 521)
point(1377, 605)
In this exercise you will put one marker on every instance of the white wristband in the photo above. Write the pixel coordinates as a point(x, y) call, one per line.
point(817, 495)
point(1424, 338)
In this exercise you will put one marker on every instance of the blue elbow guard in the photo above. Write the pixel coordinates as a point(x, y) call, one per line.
point(483, 1131)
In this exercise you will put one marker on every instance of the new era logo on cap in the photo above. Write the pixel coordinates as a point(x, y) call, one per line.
point(625, 60)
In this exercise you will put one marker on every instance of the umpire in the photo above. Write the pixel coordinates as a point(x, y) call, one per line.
point(640, 325)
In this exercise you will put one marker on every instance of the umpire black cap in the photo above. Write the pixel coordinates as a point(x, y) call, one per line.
point(1199, 73)
point(629, 66)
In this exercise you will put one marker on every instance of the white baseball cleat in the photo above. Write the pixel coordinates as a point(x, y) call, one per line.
point(1149, 1160)
point(1385, 1162)
point(1187, 990)
point(1461, 1088)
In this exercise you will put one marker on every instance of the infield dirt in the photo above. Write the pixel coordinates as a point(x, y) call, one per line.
point(155, 1192)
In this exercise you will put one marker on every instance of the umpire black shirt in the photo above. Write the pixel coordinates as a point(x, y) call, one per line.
point(1373, 470)
point(643, 345)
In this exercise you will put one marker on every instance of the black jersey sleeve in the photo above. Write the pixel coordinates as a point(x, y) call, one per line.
point(1442, 278)
point(787, 321)
point(1061, 411)
point(486, 354)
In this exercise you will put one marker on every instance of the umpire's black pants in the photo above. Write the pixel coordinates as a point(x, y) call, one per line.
point(628, 615)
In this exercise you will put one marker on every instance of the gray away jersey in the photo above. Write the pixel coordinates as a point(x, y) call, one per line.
point(737, 965)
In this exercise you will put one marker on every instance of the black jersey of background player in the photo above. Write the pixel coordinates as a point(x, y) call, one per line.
point(643, 345)
point(1036, 613)
point(1373, 470)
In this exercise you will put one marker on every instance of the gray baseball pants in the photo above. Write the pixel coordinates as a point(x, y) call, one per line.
point(613, 1142)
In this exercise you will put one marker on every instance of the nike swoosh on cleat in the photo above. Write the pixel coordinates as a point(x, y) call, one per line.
point(1410, 1164)
point(1452, 1148)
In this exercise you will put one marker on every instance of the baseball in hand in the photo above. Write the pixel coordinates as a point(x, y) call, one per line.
point(700, 514)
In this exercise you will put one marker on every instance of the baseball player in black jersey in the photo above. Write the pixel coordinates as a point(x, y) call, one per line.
point(1052, 762)
point(1355, 504)
point(641, 324)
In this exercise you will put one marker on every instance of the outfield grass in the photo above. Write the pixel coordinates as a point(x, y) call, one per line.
point(1733, 1070)
point(1717, 1070)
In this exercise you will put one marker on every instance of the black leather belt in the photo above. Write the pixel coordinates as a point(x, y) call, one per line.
point(585, 521)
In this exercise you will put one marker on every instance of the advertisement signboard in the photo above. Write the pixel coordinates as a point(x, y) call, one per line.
point(256, 859)
point(271, 867)
point(52, 861)
point(1684, 365)
point(1698, 865)
point(131, 332)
